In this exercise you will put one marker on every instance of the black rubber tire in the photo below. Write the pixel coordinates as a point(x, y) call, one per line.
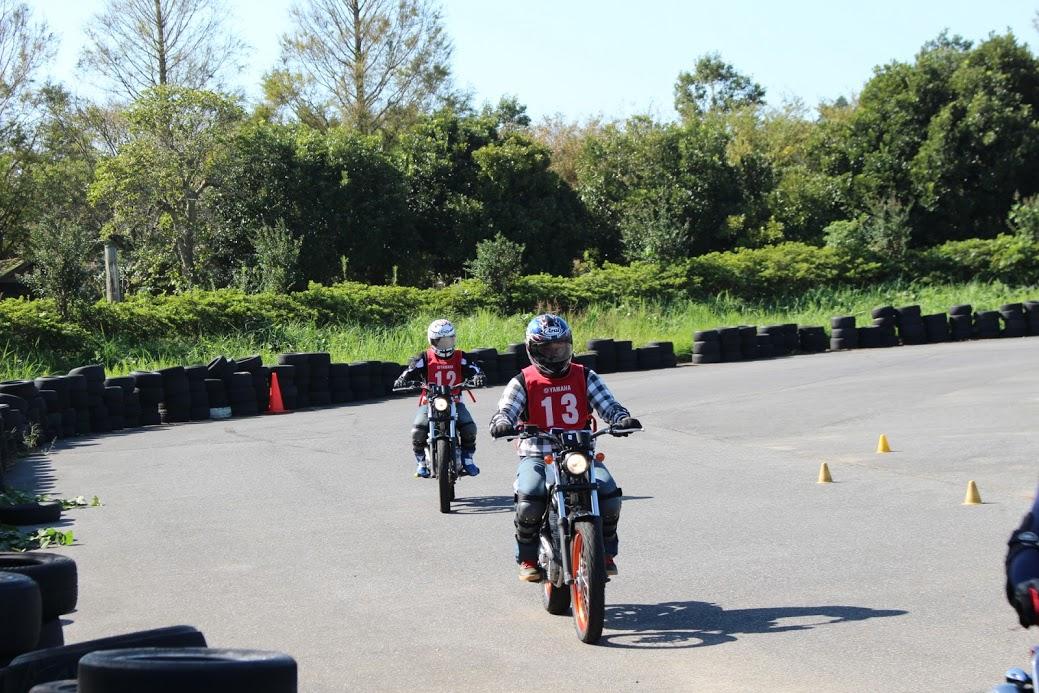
point(842, 344)
point(842, 322)
point(51, 634)
point(220, 368)
point(248, 363)
point(555, 599)
point(844, 333)
point(55, 574)
point(707, 347)
point(41, 666)
point(648, 357)
point(701, 359)
point(147, 379)
point(64, 686)
point(16, 403)
point(706, 336)
point(30, 513)
point(1016, 327)
point(176, 670)
point(589, 564)
point(731, 355)
point(26, 389)
point(908, 313)
point(442, 463)
point(883, 312)
point(20, 606)
point(94, 373)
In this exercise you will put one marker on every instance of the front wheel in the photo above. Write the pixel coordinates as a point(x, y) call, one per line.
point(555, 599)
point(442, 460)
point(588, 591)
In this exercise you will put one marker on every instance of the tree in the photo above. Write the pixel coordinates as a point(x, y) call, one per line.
point(497, 264)
point(60, 250)
point(158, 184)
point(138, 44)
point(371, 62)
point(715, 85)
point(25, 46)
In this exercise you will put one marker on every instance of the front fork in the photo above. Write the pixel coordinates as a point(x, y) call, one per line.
point(564, 525)
point(451, 437)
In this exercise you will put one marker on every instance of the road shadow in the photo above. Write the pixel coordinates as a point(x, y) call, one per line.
point(482, 505)
point(679, 625)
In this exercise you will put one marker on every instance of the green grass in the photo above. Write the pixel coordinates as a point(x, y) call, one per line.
point(640, 323)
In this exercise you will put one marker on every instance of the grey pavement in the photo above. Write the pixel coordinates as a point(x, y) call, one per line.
point(306, 533)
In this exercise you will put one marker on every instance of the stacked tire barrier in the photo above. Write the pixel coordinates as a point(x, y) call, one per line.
point(961, 323)
point(1015, 324)
point(37, 588)
point(1032, 315)
point(843, 333)
point(707, 346)
point(340, 383)
point(910, 323)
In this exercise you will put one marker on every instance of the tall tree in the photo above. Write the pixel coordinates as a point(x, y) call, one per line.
point(159, 184)
point(137, 44)
point(715, 85)
point(25, 46)
point(370, 62)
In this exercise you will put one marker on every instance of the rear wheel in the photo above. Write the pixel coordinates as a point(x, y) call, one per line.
point(588, 592)
point(442, 460)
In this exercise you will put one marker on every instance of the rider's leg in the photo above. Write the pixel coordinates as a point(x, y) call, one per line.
point(531, 502)
point(419, 436)
point(610, 511)
point(467, 432)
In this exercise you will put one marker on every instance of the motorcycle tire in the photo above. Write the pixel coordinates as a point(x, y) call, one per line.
point(588, 591)
point(555, 598)
point(442, 461)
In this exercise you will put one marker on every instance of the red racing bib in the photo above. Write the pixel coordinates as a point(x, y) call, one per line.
point(557, 402)
point(444, 371)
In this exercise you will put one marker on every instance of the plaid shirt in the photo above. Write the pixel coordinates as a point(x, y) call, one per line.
point(514, 401)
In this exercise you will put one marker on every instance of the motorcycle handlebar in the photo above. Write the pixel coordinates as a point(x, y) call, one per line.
point(466, 385)
point(528, 431)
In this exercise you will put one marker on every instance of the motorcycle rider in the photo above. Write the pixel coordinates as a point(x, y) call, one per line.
point(441, 363)
point(554, 393)
point(1022, 568)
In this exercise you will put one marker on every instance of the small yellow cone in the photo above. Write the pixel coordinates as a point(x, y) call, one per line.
point(972, 497)
point(824, 475)
point(882, 444)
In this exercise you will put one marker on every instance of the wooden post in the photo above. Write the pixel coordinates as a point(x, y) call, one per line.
point(113, 292)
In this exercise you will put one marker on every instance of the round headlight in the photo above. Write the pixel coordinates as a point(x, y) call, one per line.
point(440, 404)
point(576, 463)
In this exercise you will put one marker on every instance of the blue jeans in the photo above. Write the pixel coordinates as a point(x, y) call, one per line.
point(466, 430)
point(532, 502)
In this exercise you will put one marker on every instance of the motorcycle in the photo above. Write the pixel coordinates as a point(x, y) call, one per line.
point(443, 447)
point(571, 553)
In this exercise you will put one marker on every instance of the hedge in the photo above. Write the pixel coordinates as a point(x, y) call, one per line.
point(770, 273)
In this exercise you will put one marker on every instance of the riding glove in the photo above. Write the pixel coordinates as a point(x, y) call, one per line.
point(478, 380)
point(628, 423)
point(502, 429)
point(1026, 601)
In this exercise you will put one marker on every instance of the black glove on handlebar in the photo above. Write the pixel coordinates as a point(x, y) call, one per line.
point(400, 383)
point(478, 380)
point(628, 423)
point(1026, 601)
point(502, 429)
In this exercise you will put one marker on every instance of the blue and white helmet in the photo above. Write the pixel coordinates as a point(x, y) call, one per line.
point(550, 344)
point(441, 334)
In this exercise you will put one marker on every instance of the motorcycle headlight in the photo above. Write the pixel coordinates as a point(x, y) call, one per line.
point(441, 404)
point(576, 463)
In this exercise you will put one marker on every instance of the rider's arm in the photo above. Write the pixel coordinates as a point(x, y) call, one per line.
point(602, 400)
point(512, 403)
point(1022, 562)
point(416, 370)
point(469, 368)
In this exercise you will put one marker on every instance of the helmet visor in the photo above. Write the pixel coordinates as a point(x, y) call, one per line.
point(553, 352)
point(443, 343)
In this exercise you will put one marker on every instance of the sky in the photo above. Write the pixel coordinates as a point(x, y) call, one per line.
point(611, 59)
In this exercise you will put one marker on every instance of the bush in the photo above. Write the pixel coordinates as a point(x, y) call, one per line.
point(1010, 259)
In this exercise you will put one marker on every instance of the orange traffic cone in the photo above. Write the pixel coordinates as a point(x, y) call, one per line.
point(276, 406)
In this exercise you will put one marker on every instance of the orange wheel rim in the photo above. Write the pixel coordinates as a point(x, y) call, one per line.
point(579, 591)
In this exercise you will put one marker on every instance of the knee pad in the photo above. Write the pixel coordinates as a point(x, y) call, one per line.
point(418, 438)
point(529, 512)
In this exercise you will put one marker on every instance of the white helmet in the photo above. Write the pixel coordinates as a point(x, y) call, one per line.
point(441, 334)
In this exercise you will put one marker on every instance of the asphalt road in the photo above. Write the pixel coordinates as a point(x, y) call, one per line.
point(306, 533)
